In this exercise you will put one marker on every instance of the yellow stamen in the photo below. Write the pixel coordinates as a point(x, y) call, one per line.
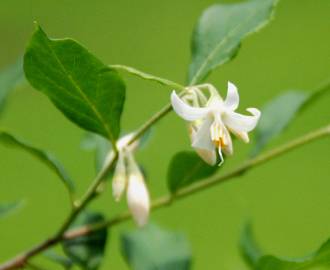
point(220, 142)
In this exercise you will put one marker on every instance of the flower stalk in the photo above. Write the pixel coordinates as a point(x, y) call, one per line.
point(209, 182)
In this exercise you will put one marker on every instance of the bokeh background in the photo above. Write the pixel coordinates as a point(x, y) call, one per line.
point(288, 199)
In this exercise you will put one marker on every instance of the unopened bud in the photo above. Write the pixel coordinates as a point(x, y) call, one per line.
point(137, 194)
point(119, 180)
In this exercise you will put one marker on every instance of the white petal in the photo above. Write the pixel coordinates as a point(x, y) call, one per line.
point(228, 147)
point(186, 111)
point(202, 138)
point(241, 123)
point(137, 193)
point(244, 136)
point(232, 99)
point(138, 199)
point(209, 157)
point(119, 179)
point(118, 187)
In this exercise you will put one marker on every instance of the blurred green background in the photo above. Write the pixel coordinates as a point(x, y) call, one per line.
point(288, 199)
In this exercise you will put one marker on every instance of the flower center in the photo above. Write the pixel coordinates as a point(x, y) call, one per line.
point(219, 143)
point(218, 132)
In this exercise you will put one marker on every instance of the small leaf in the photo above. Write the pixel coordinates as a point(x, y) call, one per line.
point(88, 92)
point(219, 31)
point(319, 258)
point(255, 258)
point(152, 248)
point(248, 246)
point(48, 159)
point(185, 168)
point(87, 251)
point(278, 113)
point(9, 78)
point(7, 208)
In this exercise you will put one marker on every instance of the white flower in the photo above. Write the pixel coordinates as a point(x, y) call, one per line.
point(211, 123)
point(137, 193)
point(119, 180)
point(128, 177)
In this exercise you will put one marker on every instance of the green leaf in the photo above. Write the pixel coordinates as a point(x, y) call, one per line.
point(45, 157)
point(319, 258)
point(87, 251)
point(152, 248)
point(7, 208)
point(280, 112)
point(255, 258)
point(248, 246)
point(219, 31)
point(88, 92)
point(185, 168)
point(9, 78)
point(276, 116)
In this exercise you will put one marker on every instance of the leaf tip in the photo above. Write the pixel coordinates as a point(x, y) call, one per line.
point(38, 29)
point(36, 25)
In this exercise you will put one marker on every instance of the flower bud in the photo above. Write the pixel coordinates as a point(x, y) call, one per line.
point(119, 180)
point(137, 194)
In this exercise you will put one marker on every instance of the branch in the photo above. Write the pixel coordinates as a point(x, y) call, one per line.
point(166, 200)
point(209, 182)
point(94, 189)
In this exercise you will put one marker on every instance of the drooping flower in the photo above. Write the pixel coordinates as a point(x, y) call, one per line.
point(211, 121)
point(119, 180)
point(128, 177)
